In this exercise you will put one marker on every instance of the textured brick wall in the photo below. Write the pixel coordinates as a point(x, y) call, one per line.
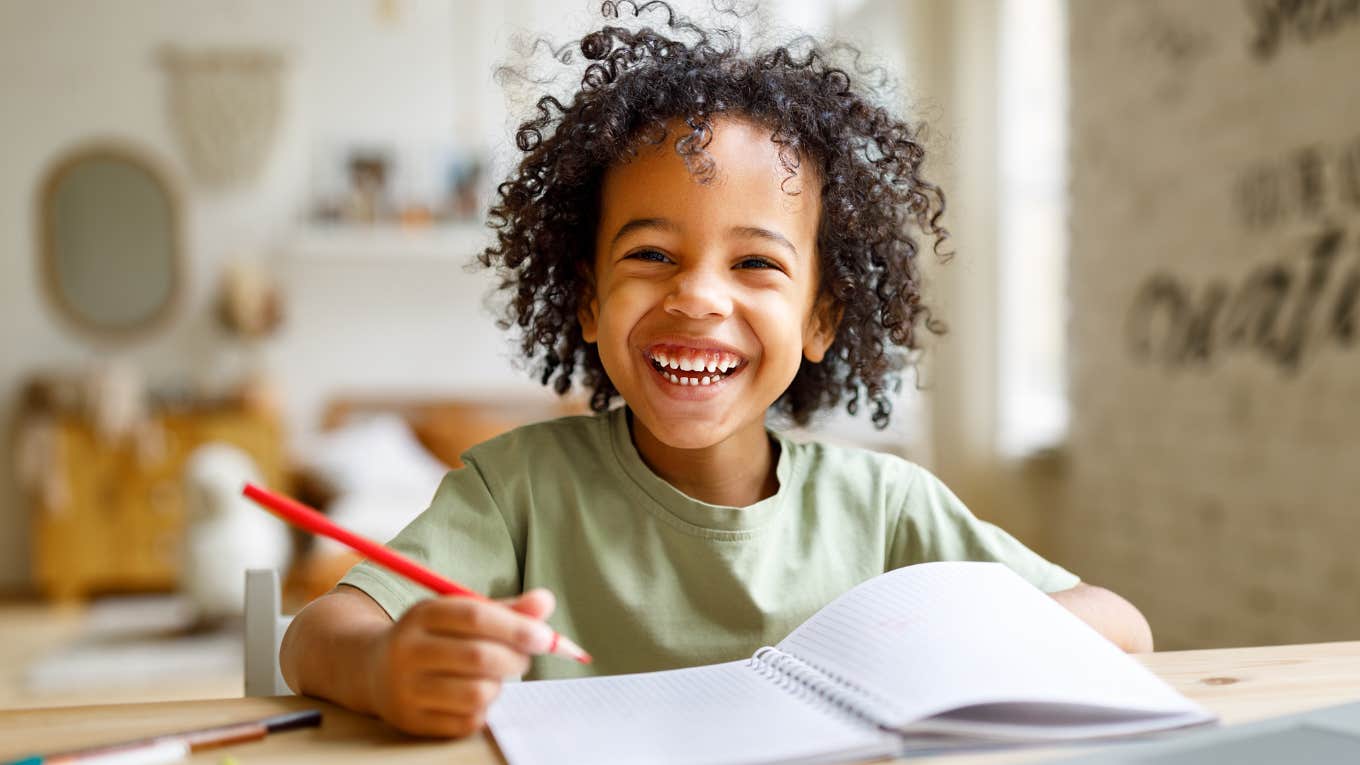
point(1214, 473)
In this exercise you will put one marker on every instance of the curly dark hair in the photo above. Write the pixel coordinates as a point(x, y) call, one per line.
point(639, 80)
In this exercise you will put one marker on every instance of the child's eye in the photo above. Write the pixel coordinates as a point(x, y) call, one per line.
point(757, 263)
point(651, 256)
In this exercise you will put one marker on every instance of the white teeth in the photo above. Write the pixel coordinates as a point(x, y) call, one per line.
point(706, 381)
point(714, 367)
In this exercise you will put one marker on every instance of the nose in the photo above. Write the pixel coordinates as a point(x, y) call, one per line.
point(699, 294)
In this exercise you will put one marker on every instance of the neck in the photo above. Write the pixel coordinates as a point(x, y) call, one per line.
point(735, 472)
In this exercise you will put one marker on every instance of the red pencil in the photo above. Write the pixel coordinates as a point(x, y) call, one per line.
point(308, 519)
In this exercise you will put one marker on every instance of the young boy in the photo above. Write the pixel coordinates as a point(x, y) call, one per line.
point(705, 236)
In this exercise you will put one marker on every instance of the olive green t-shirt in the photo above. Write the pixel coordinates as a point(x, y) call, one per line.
point(647, 578)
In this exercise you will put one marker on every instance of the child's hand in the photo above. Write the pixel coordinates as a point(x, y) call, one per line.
point(438, 668)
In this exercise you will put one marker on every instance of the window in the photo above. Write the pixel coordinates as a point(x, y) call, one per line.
point(1032, 230)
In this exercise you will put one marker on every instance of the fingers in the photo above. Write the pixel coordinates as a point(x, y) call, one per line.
point(455, 695)
point(442, 686)
point(442, 663)
point(464, 617)
point(434, 723)
point(469, 657)
point(537, 603)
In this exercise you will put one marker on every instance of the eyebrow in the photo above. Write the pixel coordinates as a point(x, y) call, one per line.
point(639, 224)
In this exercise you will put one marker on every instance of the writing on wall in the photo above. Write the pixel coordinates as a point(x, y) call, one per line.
point(1302, 300)
point(1277, 22)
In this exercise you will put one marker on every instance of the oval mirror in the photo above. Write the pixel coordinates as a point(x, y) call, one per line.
point(110, 240)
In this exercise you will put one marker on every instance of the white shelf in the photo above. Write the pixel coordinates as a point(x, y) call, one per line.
point(452, 241)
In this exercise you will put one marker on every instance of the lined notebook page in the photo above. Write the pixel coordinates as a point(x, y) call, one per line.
point(719, 713)
point(938, 636)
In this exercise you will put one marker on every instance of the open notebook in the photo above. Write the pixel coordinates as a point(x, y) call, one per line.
point(937, 652)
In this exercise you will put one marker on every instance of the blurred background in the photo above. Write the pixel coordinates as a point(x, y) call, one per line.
point(234, 239)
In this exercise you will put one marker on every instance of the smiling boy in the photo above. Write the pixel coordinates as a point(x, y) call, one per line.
point(704, 267)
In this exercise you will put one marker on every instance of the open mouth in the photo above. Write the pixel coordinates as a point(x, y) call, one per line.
point(692, 366)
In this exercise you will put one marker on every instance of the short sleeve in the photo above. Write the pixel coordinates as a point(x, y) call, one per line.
point(936, 525)
point(462, 535)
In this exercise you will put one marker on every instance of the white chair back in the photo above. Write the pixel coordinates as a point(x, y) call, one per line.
point(264, 630)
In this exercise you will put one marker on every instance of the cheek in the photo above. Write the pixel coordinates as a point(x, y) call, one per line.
point(778, 322)
point(620, 312)
point(633, 297)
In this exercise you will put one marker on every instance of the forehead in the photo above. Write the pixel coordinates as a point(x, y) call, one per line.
point(749, 184)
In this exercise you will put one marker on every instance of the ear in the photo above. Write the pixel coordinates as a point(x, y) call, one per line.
point(820, 332)
point(588, 312)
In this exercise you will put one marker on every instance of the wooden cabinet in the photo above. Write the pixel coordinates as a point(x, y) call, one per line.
point(118, 522)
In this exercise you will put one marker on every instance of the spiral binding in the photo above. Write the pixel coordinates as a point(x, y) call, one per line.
point(809, 681)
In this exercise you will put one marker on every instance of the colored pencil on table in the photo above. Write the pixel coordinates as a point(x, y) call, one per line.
point(308, 519)
point(174, 747)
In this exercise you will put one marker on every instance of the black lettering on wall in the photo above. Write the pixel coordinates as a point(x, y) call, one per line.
point(1158, 309)
point(1276, 22)
point(1271, 312)
point(1343, 313)
point(1198, 344)
point(1255, 308)
point(1348, 174)
point(1260, 200)
point(1303, 185)
point(1289, 349)
point(1308, 166)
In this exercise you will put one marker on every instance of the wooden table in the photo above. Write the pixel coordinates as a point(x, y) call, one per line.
point(1240, 684)
point(30, 630)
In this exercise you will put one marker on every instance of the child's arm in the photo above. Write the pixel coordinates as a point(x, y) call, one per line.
point(433, 672)
point(1110, 615)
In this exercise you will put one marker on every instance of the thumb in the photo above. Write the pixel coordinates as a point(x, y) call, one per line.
point(537, 603)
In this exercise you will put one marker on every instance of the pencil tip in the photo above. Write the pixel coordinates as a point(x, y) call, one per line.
point(566, 647)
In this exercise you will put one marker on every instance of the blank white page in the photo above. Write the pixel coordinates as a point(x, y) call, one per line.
point(939, 636)
point(715, 714)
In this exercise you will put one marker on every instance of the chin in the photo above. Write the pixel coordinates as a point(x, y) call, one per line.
point(686, 434)
point(688, 440)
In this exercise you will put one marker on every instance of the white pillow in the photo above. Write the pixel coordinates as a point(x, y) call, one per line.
point(376, 514)
point(375, 455)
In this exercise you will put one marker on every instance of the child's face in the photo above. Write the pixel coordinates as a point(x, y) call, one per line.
point(720, 278)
